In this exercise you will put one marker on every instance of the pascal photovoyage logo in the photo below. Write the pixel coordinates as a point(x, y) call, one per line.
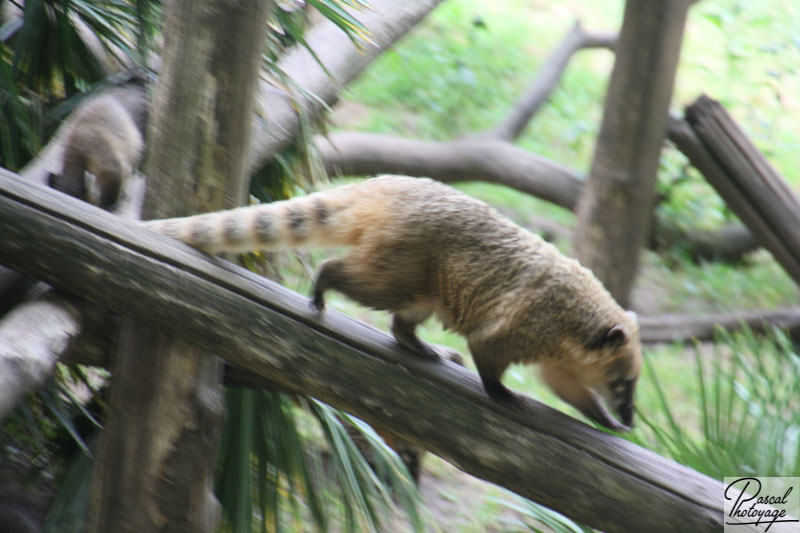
point(764, 503)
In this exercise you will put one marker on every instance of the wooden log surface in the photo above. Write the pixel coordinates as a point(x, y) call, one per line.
point(748, 183)
point(540, 453)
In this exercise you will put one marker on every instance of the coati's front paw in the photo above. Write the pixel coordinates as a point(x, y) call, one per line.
point(317, 303)
point(500, 393)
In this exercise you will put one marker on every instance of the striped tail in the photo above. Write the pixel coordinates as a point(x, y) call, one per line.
point(311, 221)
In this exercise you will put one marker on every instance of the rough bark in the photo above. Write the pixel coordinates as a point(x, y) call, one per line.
point(159, 476)
point(260, 326)
point(615, 208)
point(748, 183)
point(312, 89)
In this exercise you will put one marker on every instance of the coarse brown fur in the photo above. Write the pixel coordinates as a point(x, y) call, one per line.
point(101, 151)
point(417, 248)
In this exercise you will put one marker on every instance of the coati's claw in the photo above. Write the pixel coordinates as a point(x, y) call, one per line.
point(435, 352)
point(317, 304)
point(448, 354)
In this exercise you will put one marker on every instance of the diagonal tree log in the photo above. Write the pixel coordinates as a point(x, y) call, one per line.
point(747, 182)
point(257, 325)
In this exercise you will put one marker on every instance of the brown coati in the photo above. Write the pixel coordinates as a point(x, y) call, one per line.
point(101, 151)
point(417, 248)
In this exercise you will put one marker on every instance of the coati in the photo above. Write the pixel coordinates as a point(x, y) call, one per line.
point(102, 150)
point(417, 248)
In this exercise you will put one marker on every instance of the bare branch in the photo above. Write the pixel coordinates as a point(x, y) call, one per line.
point(462, 160)
point(547, 79)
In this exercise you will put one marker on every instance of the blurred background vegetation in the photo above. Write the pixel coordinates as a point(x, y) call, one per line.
point(725, 408)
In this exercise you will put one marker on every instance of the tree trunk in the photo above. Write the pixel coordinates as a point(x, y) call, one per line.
point(154, 470)
point(615, 208)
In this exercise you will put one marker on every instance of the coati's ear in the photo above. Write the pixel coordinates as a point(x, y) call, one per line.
point(616, 336)
point(611, 338)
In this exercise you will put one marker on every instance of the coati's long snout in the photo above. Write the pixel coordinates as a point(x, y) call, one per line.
point(601, 378)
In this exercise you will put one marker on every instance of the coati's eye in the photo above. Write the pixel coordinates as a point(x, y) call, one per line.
point(619, 387)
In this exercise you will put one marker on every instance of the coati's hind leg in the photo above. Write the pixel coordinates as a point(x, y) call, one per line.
point(357, 284)
point(372, 289)
point(331, 275)
point(491, 372)
point(404, 325)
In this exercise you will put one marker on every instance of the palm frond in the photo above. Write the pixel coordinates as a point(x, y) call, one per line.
point(272, 474)
point(748, 406)
point(538, 518)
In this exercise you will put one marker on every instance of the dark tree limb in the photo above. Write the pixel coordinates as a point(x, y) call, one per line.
point(257, 325)
point(728, 243)
point(461, 160)
point(480, 159)
point(547, 78)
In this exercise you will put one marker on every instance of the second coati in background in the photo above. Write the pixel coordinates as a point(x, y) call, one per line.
point(101, 151)
point(417, 248)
